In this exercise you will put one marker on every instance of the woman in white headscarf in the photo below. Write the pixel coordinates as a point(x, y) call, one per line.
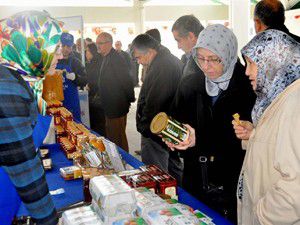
point(269, 184)
point(218, 92)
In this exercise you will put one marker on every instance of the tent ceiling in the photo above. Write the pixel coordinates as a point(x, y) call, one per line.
point(289, 4)
point(115, 3)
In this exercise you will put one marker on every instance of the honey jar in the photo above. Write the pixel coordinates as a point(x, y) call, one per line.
point(170, 129)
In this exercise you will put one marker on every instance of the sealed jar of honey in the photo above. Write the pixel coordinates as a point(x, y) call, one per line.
point(170, 129)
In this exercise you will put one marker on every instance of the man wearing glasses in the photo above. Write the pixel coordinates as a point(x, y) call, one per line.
point(162, 78)
point(116, 90)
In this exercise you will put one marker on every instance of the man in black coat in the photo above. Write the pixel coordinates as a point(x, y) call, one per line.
point(115, 90)
point(185, 31)
point(269, 14)
point(157, 92)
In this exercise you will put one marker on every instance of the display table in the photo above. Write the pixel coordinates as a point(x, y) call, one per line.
point(74, 189)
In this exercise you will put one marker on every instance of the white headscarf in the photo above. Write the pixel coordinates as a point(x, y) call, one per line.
point(221, 41)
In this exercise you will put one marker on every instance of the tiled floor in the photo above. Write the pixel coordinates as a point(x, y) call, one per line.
point(134, 137)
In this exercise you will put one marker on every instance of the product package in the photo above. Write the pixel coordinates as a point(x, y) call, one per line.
point(70, 172)
point(169, 215)
point(112, 195)
point(132, 221)
point(81, 216)
point(147, 201)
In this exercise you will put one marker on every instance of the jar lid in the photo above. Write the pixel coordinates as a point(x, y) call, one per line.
point(159, 123)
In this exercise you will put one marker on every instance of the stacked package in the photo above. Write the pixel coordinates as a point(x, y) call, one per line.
point(148, 201)
point(81, 216)
point(113, 199)
point(156, 211)
point(115, 203)
point(153, 178)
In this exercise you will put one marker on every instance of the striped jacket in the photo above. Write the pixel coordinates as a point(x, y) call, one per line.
point(18, 113)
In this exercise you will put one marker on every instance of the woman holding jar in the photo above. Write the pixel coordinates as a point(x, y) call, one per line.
point(220, 90)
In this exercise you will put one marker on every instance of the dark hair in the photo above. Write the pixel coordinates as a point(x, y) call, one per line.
point(155, 34)
point(143, 43)
point(93, 49)
point(270, 13)
point(89, 39)
point(74, 47)
point(188, 23)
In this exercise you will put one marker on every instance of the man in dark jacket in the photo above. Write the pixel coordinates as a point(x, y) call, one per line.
point(269, 14)
point(185, 31)
point(115, 90)
point(159, 87)
point(93, 65)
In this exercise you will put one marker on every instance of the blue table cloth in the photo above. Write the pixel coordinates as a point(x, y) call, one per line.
point(73, 189)
point(9, 199)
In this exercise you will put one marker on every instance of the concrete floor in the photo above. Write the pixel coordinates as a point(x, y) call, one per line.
point(133, 136)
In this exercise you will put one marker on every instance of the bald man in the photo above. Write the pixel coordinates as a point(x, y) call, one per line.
point(115, 90)
point(269, 14)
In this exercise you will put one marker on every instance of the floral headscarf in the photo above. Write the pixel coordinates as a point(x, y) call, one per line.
point(221, 41)
point(277, 56)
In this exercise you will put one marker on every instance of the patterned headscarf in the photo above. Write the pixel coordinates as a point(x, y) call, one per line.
point(277, 56)
point(222, 42)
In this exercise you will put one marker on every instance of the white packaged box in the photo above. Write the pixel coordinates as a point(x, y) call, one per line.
point(81, 216)
point(168, 216)
point(136, 221)
point(109, 220)
point(112, 195)
point(147, 201)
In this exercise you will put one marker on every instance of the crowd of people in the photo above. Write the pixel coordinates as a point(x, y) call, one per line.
point(248, 170)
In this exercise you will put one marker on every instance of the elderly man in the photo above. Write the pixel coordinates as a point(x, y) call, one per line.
point(115, 90)
point(159, 87)
point(269, 14)
point(125, 55)
point(185, 31)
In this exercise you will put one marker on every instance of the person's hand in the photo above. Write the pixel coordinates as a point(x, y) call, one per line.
point(243, 129)
point(189, 142)
point(70, 76)
point(87, 88)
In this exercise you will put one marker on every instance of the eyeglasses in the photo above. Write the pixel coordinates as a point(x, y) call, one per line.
point(102, 43)
point(211, 61)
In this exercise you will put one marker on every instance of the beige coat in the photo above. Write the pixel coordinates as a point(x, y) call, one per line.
point(269, 187)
